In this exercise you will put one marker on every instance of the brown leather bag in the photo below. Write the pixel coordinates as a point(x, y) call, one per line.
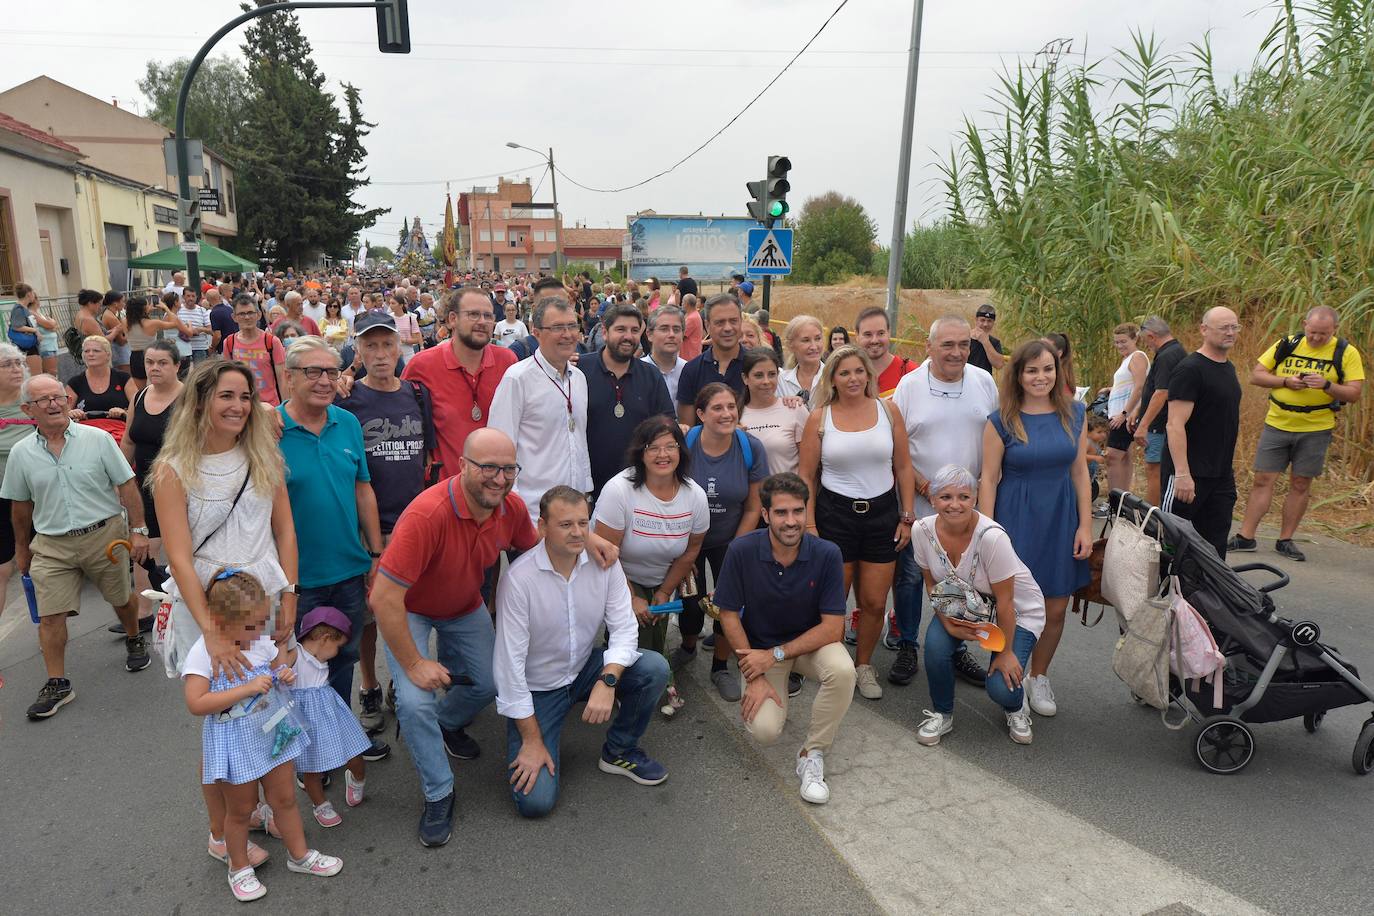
point(1092, 592)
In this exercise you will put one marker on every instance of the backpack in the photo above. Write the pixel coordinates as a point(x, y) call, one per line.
point(1286, 347)
point(71, 338)
point(1193, 649)
point(741, 437)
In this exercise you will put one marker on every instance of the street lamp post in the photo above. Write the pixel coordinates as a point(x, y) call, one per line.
point(553, 180)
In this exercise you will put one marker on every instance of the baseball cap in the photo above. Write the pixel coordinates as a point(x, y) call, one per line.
point(985, 311)
point(327, 615)
point(373, 319)
point(747, 288)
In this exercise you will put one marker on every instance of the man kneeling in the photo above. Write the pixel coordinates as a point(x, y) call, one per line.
point(790, 586)
point(550, 606)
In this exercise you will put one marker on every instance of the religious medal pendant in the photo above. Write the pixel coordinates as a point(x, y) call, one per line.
point(572, 424)
point(619, 411)
point(476, 412)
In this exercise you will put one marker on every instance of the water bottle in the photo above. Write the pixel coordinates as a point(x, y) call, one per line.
point(31, 596)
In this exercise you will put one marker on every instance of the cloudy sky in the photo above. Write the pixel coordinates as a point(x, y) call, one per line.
point(622, 90)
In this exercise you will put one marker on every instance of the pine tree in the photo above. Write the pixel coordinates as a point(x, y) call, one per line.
point(405, 232)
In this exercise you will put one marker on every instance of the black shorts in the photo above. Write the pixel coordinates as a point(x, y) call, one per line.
point(862, 529)
point(136, 365)
point(6, 533)
point(1120, 438)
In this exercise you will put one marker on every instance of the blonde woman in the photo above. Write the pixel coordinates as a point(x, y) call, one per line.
point(804, 341)
point(220, 491)
point(750, 334)
point(854, 455)
point(100, 388)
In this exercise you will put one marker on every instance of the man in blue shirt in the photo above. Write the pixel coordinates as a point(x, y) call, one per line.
point(338, 533)
point(781, 593)
point(723, 321)
point(622, 392)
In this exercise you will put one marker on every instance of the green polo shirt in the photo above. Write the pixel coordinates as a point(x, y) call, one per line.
point(72, 491)
point(321, 473)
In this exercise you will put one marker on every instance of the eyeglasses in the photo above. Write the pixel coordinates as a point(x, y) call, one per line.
point(12, 364)
point(47, 399)
point(490, 471)
point(937, 393)
point(478, 316)
point(314, 372)
point(669, 449)
point(561, 328)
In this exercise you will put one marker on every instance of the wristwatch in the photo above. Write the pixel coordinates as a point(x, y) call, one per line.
point(778, 654)
point(610, 680)
point(139, 530)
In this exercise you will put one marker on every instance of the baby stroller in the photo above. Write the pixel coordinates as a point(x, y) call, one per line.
point(1276, 668)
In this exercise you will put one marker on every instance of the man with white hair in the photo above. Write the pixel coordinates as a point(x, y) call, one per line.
point(177, 283)
point(293, 303)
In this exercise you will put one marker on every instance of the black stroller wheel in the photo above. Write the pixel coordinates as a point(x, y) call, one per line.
point(1312, 721)
point(1224, 745)
point(1363, 757)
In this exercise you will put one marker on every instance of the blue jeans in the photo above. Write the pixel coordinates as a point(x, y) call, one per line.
point(349, 596)
point(638, 691)
point(464, 646)
point(907, 586)
point(940, 651)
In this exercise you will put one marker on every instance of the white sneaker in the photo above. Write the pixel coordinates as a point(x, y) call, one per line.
point(1041, 695)
point(866, 679)
point(811, 769)
point(935, 725)
point(245, 885)
point(1019, 725)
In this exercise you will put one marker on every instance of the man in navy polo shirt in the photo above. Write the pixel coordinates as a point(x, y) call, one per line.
point(622, 392)
point(781, 593)
point(338, 532)
point(723, 320)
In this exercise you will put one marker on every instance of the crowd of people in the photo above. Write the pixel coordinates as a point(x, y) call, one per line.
point(538, 475)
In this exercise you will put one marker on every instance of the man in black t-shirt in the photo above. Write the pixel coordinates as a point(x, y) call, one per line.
point(686, 286)
point(1149, 424)
point(1204, 420)
point(985, 351)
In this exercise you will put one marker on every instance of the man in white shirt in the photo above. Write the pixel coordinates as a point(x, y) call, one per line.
point(313, 306)
point(541, 403)
point(550, 608)
point(945, 404)
point(665, 340)
point(176, 284)
point(510, 328)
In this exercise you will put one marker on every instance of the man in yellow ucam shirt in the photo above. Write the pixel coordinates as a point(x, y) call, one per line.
point(1308, 387)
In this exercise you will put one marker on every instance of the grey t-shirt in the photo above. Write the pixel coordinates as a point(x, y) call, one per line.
point(394, 436)
point(726, 482)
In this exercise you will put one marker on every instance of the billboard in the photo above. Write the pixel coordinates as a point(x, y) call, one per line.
point(710, 247)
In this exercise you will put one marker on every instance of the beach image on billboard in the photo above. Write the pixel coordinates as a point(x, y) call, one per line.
point(710, 247)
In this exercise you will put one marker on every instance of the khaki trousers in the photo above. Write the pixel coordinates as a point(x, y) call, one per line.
point(831, 667)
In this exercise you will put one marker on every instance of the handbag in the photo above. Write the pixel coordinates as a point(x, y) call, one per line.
point(1141, 658)
point(1130, 565)
point(1092, 592)
point(24, 340)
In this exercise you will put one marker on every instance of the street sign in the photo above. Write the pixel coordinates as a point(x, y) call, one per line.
point(770, 252)
point(195, 156)
point(191, 247)
point(209, 199)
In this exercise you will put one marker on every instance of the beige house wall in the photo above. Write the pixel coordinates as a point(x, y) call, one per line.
point(43, 197)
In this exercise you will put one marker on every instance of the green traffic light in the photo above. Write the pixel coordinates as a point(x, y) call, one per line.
point(777, 208)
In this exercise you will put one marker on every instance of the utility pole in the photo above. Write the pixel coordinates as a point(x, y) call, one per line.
point(393, 37)
point(557, 226)
point(894, 263)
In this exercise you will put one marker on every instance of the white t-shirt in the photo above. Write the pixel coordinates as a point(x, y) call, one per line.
point(656, 531)
point(997, 562)
point(669, 378)
point(314, 312)
point(508, 332)
point(260, 651)
point(945, 430)
point(779, 428)
point(310, 671)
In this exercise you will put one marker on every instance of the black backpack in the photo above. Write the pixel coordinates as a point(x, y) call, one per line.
point(1286, 347)
point(72, 339)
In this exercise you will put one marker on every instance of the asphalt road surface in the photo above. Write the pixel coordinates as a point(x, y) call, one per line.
point(1106, 812)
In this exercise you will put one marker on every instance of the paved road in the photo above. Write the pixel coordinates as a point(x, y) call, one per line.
point(1106, 812)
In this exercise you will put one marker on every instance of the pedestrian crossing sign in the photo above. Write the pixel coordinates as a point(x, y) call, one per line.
point(770, 252)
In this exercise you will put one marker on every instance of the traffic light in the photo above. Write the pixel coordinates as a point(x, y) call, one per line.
point(778, 186)
point(393, 27)
point(188, 217)
point(758, 207)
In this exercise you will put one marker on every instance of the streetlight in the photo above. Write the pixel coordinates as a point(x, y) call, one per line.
point(553, 180)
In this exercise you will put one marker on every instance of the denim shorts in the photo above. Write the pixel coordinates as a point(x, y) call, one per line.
point(1154, 447)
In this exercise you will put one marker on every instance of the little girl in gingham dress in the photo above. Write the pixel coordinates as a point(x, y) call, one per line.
point(336, 738)
point(236, 749)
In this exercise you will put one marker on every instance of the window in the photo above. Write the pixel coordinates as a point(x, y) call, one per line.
point(499, 235)
point(505, 213)
point(543, 263)
point(539, 235)
point(519, 263)
point(229, 186)
point(486, 235)
point(7, 253)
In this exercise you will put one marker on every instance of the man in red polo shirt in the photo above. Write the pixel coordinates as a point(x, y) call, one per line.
point(875, 338)
point(430, 580)
point(463, 374)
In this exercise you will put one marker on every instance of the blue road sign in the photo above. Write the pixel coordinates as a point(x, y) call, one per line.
point(769, 252)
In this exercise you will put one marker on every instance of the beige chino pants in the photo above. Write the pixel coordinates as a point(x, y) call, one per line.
point(832, 668)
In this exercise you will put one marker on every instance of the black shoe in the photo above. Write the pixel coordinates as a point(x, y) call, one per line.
point(379, 750)
point(967, 668)
point(1239, 544)
point(325, 780)
point(908, 662)
point(391, 696)
point(460, 744)
point(1290, 550)
point(372, 718)
point(436, 821)
point(794, 684)
point(56, 693)
point(145, 625)
point(135, 654)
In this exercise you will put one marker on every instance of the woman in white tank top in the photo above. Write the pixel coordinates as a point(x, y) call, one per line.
point(854, 456)
point(1123, 405)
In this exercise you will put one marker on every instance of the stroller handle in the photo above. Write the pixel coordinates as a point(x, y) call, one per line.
point(1280, 577)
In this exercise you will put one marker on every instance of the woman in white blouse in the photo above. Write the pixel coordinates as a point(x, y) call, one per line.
point(804, 339)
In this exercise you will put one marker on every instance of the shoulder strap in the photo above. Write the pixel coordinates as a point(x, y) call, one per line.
point(693, 435)
point(748, 450)
point(1338, 359)
point(248, 472)
point(422, 401)
point(1285, 347)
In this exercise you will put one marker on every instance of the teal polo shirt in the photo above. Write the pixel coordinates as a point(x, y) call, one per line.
point(321, 473)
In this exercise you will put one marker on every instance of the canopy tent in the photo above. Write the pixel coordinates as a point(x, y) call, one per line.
point(211, 258)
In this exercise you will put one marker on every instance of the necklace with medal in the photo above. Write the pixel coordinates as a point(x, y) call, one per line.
point(567, 395)
point(619, 410)
point(473, 384)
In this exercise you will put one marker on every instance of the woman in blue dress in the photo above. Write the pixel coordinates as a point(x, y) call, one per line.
point(1035, 485)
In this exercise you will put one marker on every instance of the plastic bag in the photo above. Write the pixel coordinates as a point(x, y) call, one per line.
point(282, 720)
point(164, 642)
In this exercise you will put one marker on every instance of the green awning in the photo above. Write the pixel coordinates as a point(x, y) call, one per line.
point(211, 258)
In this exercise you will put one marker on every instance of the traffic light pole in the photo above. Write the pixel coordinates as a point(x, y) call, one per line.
point(894, 261)
point(183, 153)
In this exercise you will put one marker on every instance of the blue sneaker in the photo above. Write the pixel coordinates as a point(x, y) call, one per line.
point(436, 822)
point(635, 764)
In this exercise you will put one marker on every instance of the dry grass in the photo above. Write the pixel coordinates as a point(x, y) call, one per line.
point(1342, 504)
